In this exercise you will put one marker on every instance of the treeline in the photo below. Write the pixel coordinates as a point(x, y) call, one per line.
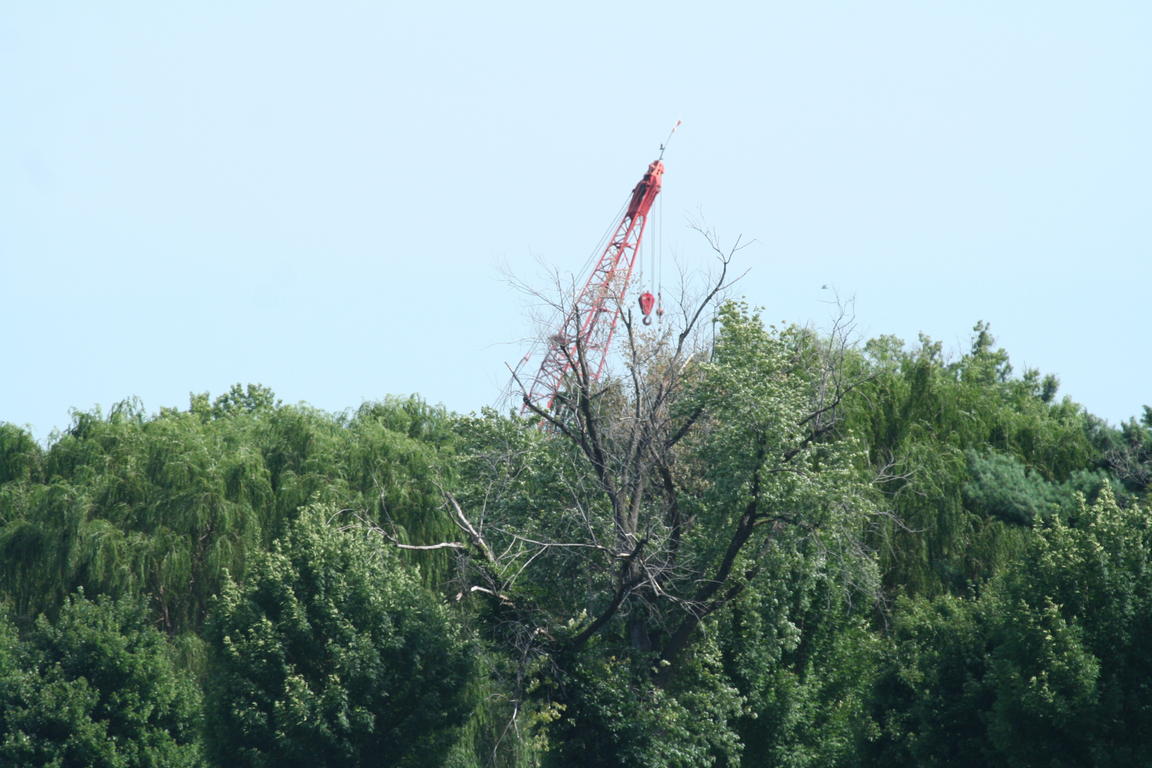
point(766, 547)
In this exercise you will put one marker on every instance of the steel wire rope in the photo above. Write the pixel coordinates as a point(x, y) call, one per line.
point(660, 260)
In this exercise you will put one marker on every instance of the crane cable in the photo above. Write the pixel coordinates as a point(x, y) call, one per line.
point(658, 257)
point(660, 262)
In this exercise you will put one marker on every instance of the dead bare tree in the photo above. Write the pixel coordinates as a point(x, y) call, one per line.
point(648, 501)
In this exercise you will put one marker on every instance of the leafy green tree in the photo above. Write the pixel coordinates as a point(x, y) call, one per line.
point(1045, 668)
point(1001, 487)
point(253, 398)
point(966, 454)
point(993, 682)
point(607, 712)
point(332, 654)
point(124, 503)
point(798, 648)
point(1095, 573)
point(1126, 454)
point(20, 456)
point(608, 548)
point(678, 569)
point(97, 687)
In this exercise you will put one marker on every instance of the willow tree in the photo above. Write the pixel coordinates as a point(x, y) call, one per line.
point(164, 505)
point(948, 438)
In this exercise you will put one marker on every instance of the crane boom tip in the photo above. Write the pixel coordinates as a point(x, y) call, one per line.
point(669, 139)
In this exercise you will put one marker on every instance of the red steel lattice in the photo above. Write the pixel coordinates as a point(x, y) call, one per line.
point(585, 337)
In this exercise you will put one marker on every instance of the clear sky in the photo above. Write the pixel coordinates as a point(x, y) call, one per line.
point(324, 197)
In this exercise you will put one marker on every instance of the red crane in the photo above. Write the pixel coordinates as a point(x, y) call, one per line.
point(585, 336)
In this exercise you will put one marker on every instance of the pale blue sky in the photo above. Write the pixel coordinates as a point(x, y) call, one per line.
point(321, 196)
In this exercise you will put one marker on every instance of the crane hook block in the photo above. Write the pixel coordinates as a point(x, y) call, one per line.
point(647, 300)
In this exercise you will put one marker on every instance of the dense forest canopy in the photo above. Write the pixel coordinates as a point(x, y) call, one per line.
point(763, 547)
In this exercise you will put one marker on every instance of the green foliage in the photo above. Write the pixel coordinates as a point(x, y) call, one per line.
point(163, 506)
point(1000, 486)
point(696, 590)
point(1046, 668)
point(253, 398)
point(634, 665)
point(942, 438)
point(611, 714)
point(1126, 453)
point(331, 654)
point(1097, 573)
point(96, 687)
point(798, 648)
point(995, 682)
point(20, 456)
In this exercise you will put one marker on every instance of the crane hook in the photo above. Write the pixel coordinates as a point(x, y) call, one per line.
point(646, 302)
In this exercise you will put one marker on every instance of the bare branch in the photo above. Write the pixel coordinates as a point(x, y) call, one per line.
point(425, 547)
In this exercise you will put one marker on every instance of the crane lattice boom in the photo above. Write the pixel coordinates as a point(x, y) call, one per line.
point(584, 338)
